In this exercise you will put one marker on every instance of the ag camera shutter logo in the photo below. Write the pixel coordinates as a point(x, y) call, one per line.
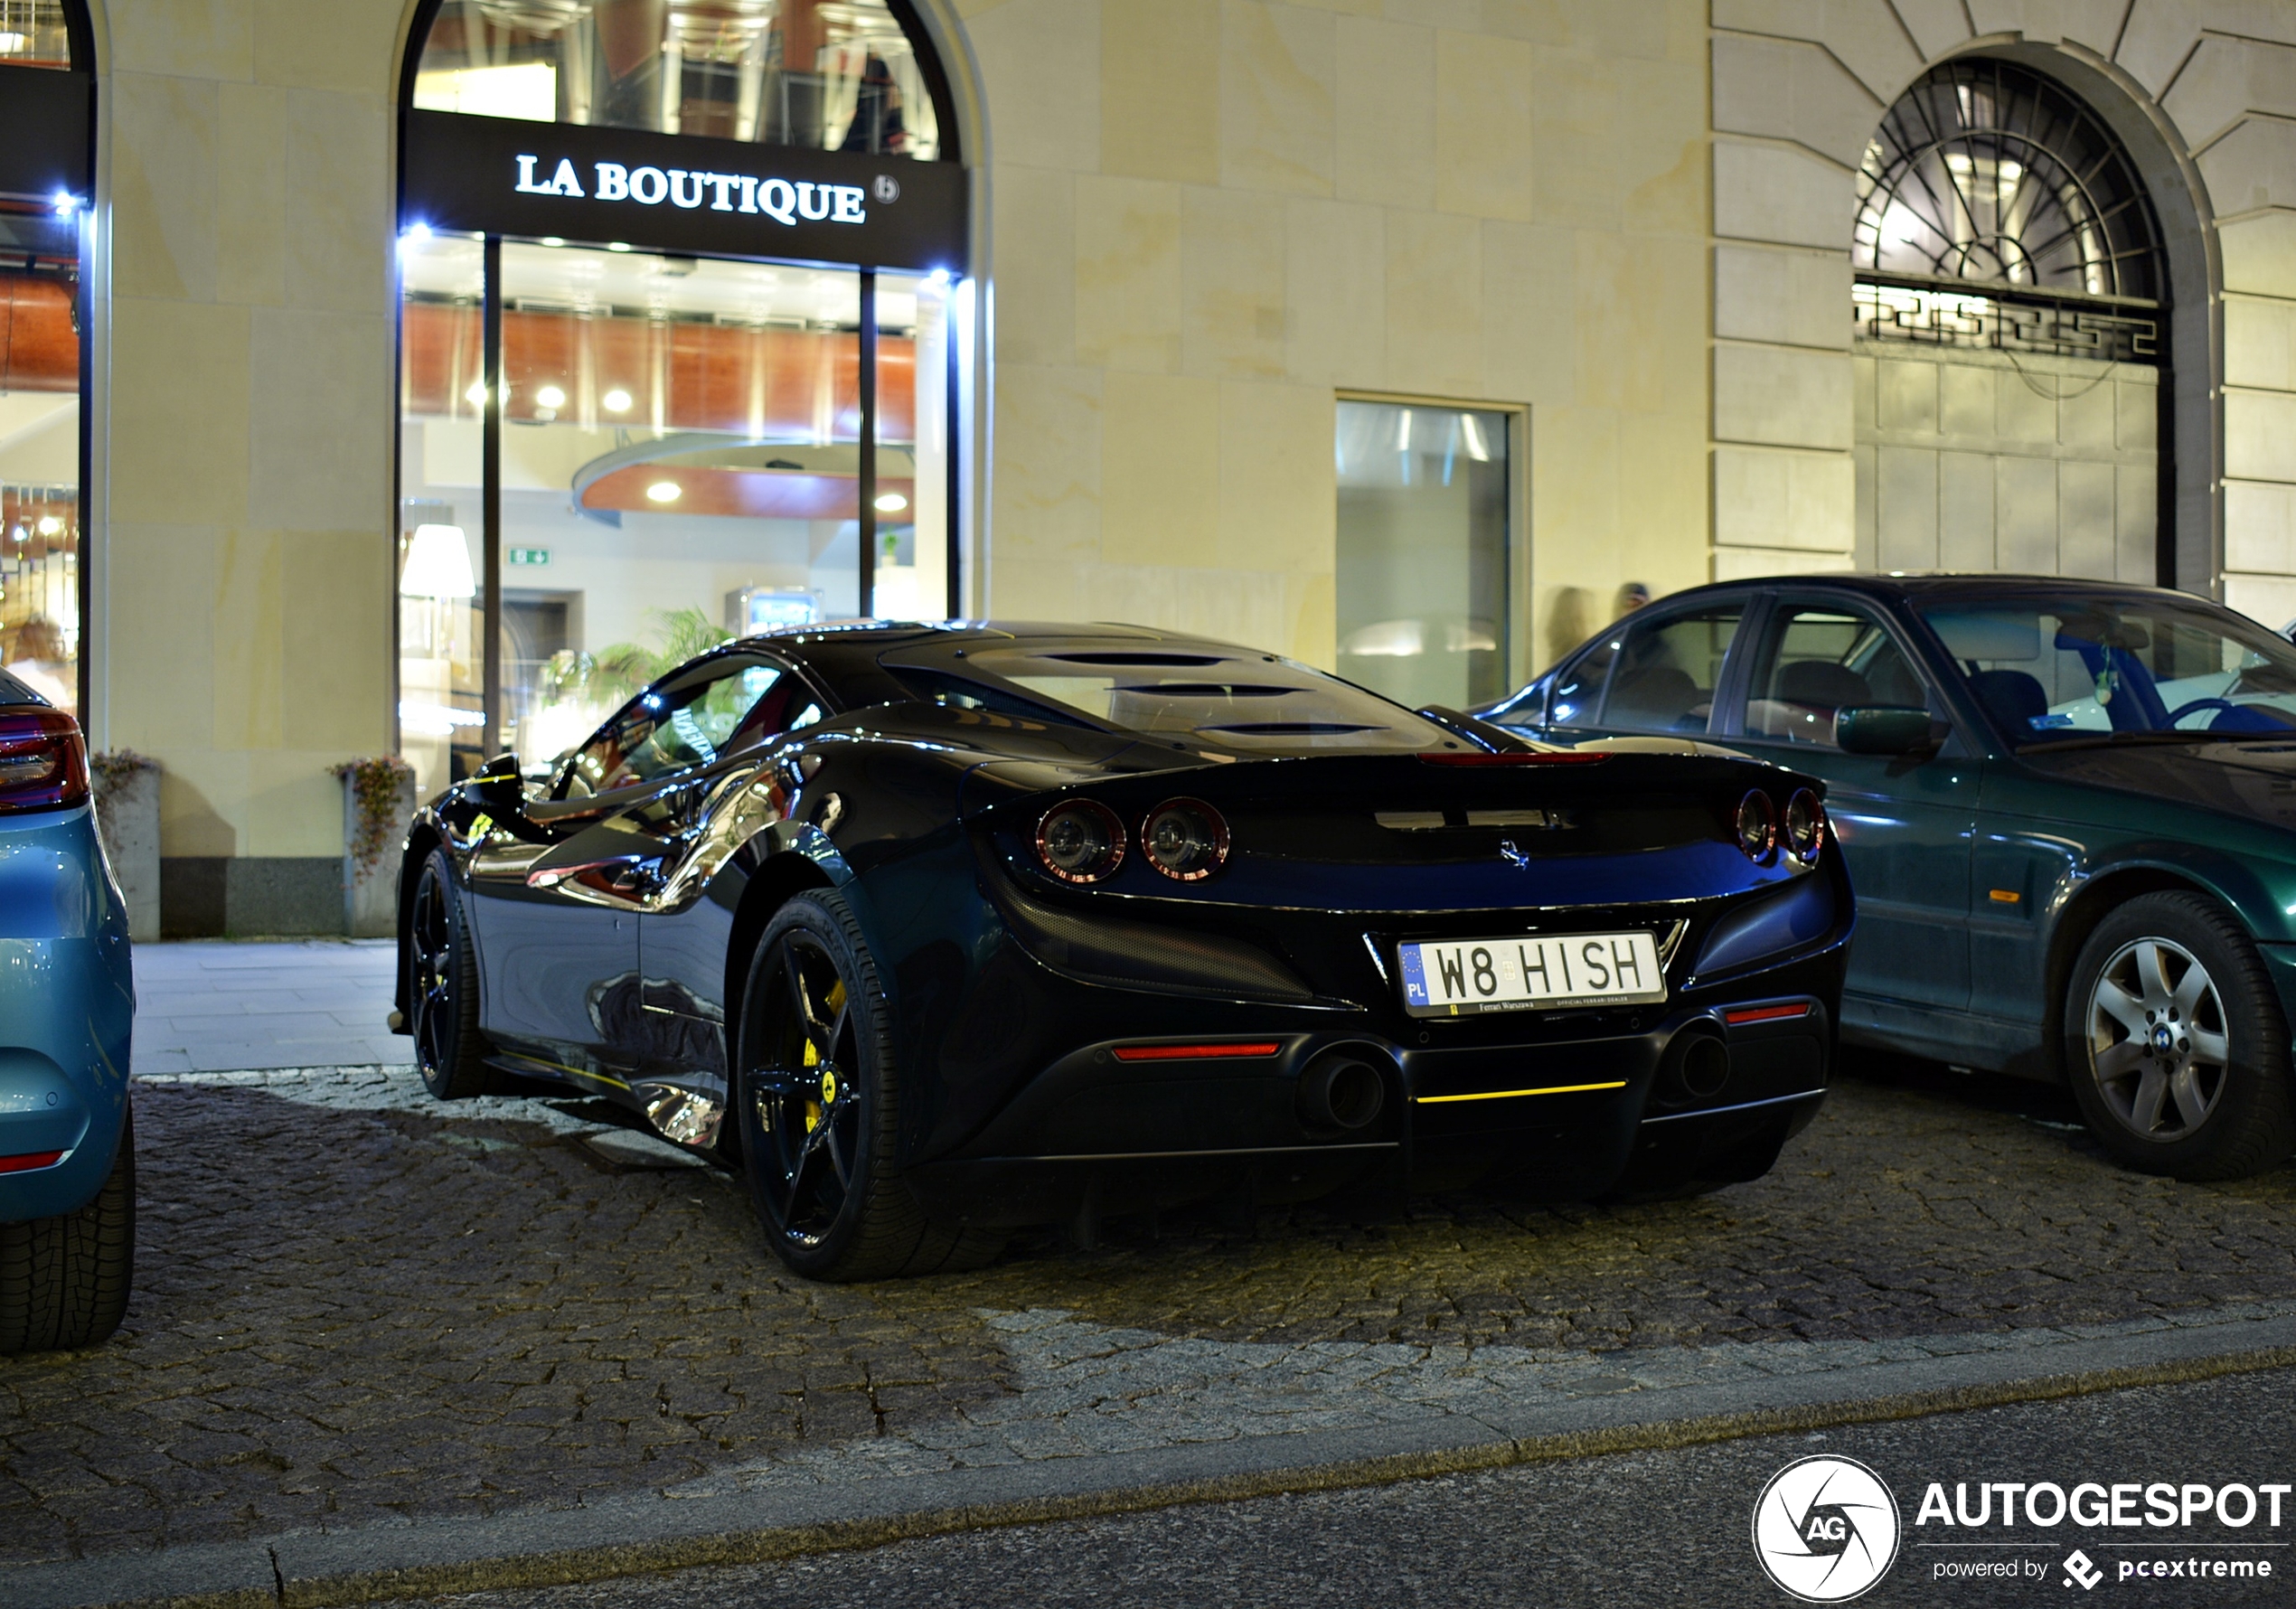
point(1825, 1529)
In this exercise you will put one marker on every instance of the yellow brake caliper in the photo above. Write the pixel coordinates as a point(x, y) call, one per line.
point(814, 1108)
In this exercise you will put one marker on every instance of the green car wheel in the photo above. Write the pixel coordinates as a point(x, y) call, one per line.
point(2177, 1046)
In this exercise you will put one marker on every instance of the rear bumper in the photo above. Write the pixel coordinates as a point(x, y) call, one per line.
point(1557, 1119)
point(66, 1014)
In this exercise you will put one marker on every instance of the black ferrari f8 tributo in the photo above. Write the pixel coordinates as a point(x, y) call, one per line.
point(938, 930)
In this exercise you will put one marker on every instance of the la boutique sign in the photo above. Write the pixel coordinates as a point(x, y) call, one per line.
point(681, 192)
point(785, 200)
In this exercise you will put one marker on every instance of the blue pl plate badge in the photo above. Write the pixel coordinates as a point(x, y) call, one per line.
point(2049, 723)
point(1415, 977)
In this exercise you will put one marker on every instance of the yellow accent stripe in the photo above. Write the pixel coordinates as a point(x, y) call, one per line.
point(1501, 1094)
point(571, 1071)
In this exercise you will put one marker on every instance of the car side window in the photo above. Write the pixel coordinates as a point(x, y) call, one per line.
point(1823, 659)
point(687, 720)
point(1649, 674)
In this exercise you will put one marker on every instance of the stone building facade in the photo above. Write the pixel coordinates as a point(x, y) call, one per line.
point(1623, 234)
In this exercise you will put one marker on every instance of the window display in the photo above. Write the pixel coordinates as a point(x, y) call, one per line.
point(681, 462)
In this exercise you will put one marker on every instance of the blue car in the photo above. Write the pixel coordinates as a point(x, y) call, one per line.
point(67, 1008)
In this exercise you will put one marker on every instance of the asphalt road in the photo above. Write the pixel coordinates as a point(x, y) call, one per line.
point(1648, 1529)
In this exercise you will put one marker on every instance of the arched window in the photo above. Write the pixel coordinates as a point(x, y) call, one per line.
point(1987, 173)
point(825, 75)
point(2011, 335)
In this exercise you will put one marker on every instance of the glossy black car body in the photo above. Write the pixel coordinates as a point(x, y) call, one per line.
point(1058, 1051)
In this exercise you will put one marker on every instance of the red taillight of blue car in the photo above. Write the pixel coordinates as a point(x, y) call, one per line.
point(43, 759)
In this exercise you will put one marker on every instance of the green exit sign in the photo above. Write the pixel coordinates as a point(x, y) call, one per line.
point(530, 555)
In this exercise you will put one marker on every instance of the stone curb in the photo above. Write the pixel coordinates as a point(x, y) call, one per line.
point(796, 1516)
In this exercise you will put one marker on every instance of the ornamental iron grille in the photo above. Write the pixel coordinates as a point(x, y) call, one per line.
point(1995, 210)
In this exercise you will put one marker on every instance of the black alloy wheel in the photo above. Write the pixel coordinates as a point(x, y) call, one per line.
point(818, 1102)
point(2174, 1042)
point(442, 987)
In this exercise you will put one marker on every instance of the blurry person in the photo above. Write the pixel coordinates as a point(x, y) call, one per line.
point(38, 661)
point(1631, 597)
point(1568, 624)
point(876, 128)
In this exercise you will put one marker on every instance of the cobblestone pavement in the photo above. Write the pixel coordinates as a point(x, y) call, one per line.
point(354, 1305)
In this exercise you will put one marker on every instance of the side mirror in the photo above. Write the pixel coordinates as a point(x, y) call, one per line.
point(498, 789)
point(1881, 728)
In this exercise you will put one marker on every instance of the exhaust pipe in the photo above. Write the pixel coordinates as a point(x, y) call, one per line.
point(1695, 1067)
point(1341, 1090)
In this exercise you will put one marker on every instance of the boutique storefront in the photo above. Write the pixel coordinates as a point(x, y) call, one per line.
point(684, 322)
point(420, 376)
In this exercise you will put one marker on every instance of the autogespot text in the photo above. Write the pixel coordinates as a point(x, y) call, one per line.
point(2225, 1533)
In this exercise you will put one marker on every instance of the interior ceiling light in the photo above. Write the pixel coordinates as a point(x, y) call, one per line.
point(50, 524)
point(549, 396)
point(617, 400)
point(891, 503)
point(663, 491)
point(617, 245)
point(476, 396)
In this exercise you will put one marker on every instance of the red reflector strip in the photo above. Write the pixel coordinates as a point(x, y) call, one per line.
point(1561, 757)
point(1194, 1052)
point(30, 1161)
point(1775, 1013)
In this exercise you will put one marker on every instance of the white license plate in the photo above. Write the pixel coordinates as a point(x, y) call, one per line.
point(1535, 971)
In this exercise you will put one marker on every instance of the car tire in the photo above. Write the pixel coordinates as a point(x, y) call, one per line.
point(64, 1280)
point(2176, 1045)
point(442, 986)
point(818, 1098)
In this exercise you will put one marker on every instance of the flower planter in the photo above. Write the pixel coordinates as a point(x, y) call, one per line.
point(378, 804)
point(127, 821)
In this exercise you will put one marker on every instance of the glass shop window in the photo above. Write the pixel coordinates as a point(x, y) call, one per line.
point(39, 434)
point(680, 464)
point(34, 33)
point(1422, 585)
point(828, 75)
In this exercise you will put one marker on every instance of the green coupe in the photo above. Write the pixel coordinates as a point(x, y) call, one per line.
point(2069, 808)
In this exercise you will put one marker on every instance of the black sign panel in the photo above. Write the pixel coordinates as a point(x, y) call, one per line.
point(681, 193)
point(43, 132)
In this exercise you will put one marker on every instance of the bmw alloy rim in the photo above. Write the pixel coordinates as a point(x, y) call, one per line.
point(2158, 1042)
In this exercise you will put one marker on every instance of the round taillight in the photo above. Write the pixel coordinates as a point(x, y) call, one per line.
point(1184, 839)
point(1757, 825)
point(1081, 842)
point(1805, 826)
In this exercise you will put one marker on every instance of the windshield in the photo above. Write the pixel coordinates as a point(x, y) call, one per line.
point(2055, 669)
point(1231, 699)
